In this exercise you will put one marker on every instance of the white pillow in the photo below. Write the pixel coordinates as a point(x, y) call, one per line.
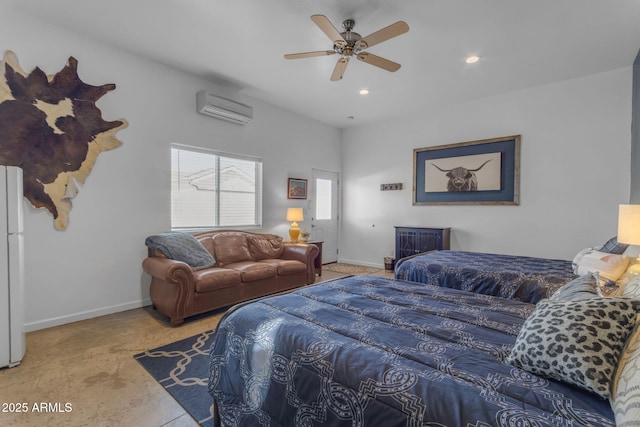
point(629, 290)
point(608, 266)
point(625, 393)
point(579, 256)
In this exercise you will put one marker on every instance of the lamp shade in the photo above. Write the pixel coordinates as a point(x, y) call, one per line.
point(294, 214)
point(629, 224)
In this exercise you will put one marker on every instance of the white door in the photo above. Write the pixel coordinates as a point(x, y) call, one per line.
point(324, 212)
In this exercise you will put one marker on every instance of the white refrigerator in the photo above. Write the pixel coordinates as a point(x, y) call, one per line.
point(12, 334)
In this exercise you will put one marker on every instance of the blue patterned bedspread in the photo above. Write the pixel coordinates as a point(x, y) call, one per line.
point(514, 277)
point(370, 351)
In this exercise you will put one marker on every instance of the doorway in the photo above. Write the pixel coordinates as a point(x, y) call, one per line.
point(324, 212)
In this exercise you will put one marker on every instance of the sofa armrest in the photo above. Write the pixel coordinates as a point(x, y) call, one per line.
point(166, 269)
point(172, 287)
point(304, 253)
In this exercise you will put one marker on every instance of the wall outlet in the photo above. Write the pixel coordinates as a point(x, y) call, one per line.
point(388, 187)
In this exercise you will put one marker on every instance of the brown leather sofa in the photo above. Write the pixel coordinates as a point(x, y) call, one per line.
point(248, 265)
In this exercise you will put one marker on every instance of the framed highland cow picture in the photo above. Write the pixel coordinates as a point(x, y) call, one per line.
point(484, 172)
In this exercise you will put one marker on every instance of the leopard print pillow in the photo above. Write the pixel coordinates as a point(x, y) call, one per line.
point(579, 342)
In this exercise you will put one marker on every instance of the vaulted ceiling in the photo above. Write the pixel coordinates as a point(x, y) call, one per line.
point(241, 43)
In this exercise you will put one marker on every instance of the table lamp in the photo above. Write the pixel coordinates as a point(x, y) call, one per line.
point(629, 230)
point(294, 214)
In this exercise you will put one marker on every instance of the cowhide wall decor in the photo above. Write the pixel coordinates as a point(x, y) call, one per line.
point(52, 129)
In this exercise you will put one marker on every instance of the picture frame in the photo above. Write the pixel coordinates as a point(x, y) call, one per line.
point(483, 172)
point(297, 188)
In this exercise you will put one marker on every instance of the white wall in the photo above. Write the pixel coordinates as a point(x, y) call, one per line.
point(635, 133)
point(574, 171)
point(94, 266)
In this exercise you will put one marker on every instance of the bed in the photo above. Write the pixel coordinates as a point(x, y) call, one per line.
point(521, 278)
point(371, 351)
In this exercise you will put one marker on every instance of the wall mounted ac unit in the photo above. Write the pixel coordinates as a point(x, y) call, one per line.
point(223, 108)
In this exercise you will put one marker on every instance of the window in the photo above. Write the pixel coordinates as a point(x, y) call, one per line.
point(212, 189)
point(323, 198)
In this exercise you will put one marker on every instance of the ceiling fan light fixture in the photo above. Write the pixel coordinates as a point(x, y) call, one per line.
point(349, 43)
point(472, 59)
point(361, 45)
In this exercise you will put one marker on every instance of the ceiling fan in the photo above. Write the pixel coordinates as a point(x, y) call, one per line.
point(350, 43)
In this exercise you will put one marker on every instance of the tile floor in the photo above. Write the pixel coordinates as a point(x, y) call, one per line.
point(85, 375)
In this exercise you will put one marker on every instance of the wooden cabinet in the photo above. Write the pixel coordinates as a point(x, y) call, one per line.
point(415, 240)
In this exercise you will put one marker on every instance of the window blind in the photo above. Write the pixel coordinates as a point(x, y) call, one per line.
point(211, 189)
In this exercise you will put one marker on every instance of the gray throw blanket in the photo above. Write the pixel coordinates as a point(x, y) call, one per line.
point(181, 247)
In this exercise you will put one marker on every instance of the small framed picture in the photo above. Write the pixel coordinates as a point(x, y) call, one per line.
point(297, 188)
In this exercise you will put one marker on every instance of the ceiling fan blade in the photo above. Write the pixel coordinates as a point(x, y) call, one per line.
point(309, 54)
point(338, 71)
point(378, 61)
point(386, 33)
point(327, 27)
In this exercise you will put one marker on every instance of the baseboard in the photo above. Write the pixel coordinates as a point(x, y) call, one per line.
point(362, 263)
point(84, 315)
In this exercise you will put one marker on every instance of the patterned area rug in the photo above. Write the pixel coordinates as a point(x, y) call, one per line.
point(182, 368)
point(350, 268)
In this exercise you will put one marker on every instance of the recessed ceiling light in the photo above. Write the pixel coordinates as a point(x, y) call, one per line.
point(364, 91)
point(472, 59)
